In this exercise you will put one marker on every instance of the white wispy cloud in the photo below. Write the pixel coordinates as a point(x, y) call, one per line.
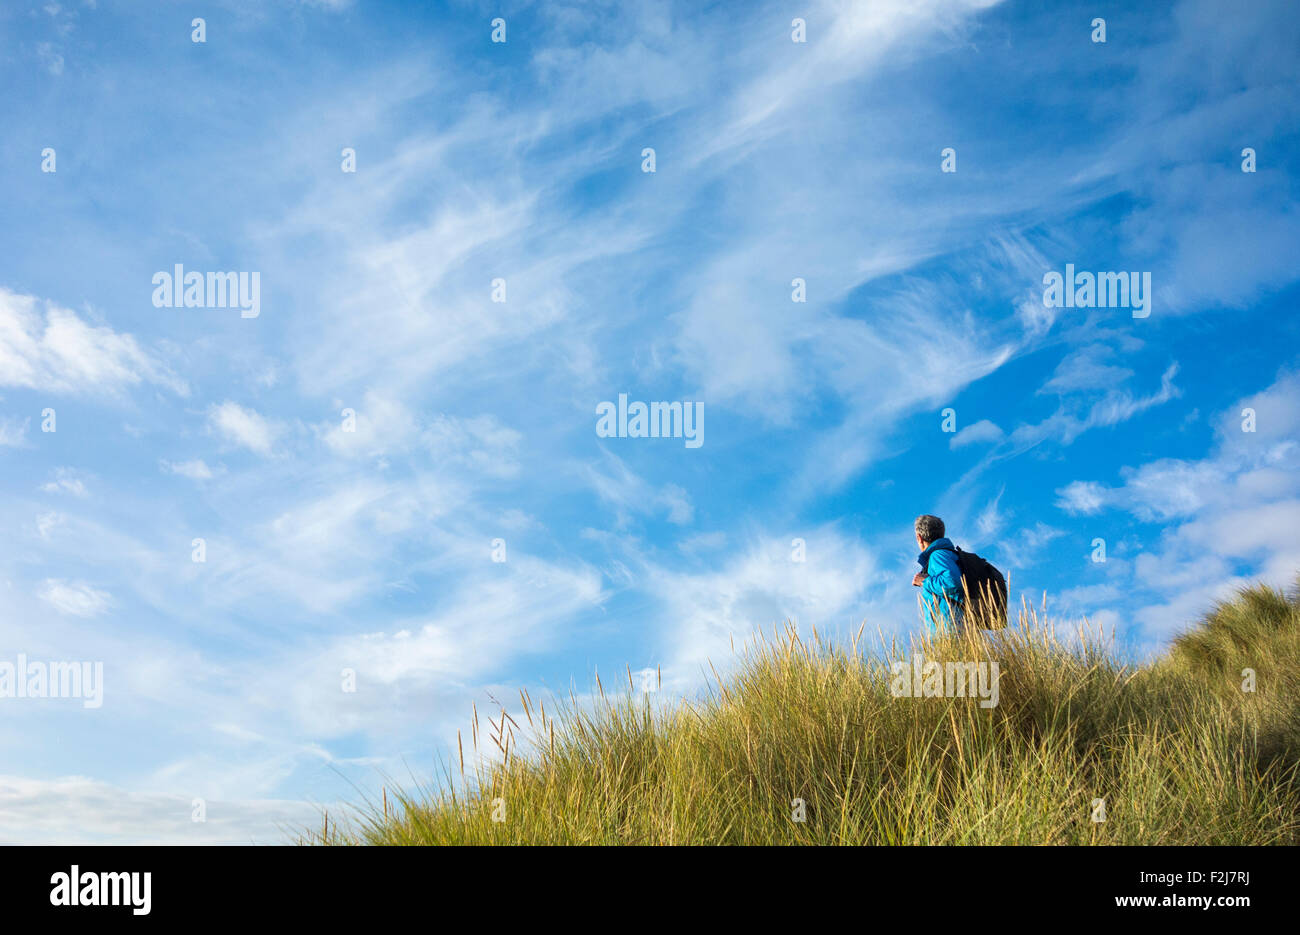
point(81, 810)
point(1235, 505)
point(1116, 406)
point(196, 469)
point(709, 615)
point(1029, 542)
point(981, 431)
point(992, 518)
point(46, 347)
point(13, 431)
point(244, 427)
point(630, 494)
point(66, 480)
point(1086, 369)
point(47, 521)
point(74, 597)
point(1082, 497)
point(50, 57)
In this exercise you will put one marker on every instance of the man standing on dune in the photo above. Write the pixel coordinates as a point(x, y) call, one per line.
point(939, 578)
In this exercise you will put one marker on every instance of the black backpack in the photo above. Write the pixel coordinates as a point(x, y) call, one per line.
point(986, 590)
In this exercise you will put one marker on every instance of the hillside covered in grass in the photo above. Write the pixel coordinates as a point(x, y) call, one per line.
point(807, 743)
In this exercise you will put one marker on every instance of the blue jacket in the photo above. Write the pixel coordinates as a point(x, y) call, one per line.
point(941, 591)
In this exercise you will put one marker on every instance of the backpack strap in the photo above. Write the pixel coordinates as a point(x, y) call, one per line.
point(955, 551)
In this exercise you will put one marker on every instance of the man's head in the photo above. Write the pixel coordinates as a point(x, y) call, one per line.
point(928, 529)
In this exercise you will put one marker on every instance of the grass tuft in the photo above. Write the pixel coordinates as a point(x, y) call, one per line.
point(1176, 752)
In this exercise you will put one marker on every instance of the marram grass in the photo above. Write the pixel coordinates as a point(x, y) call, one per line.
point(1172, 752)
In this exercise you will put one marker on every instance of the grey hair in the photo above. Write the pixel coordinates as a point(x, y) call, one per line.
point(929, 528)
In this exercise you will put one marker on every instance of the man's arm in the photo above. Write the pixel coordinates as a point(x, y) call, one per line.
point(945, 576)
point(944, 580)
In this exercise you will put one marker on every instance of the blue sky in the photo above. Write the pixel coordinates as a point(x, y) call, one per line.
point(371, 550)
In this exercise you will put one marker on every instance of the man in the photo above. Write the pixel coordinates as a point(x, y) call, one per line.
point(939, 578)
